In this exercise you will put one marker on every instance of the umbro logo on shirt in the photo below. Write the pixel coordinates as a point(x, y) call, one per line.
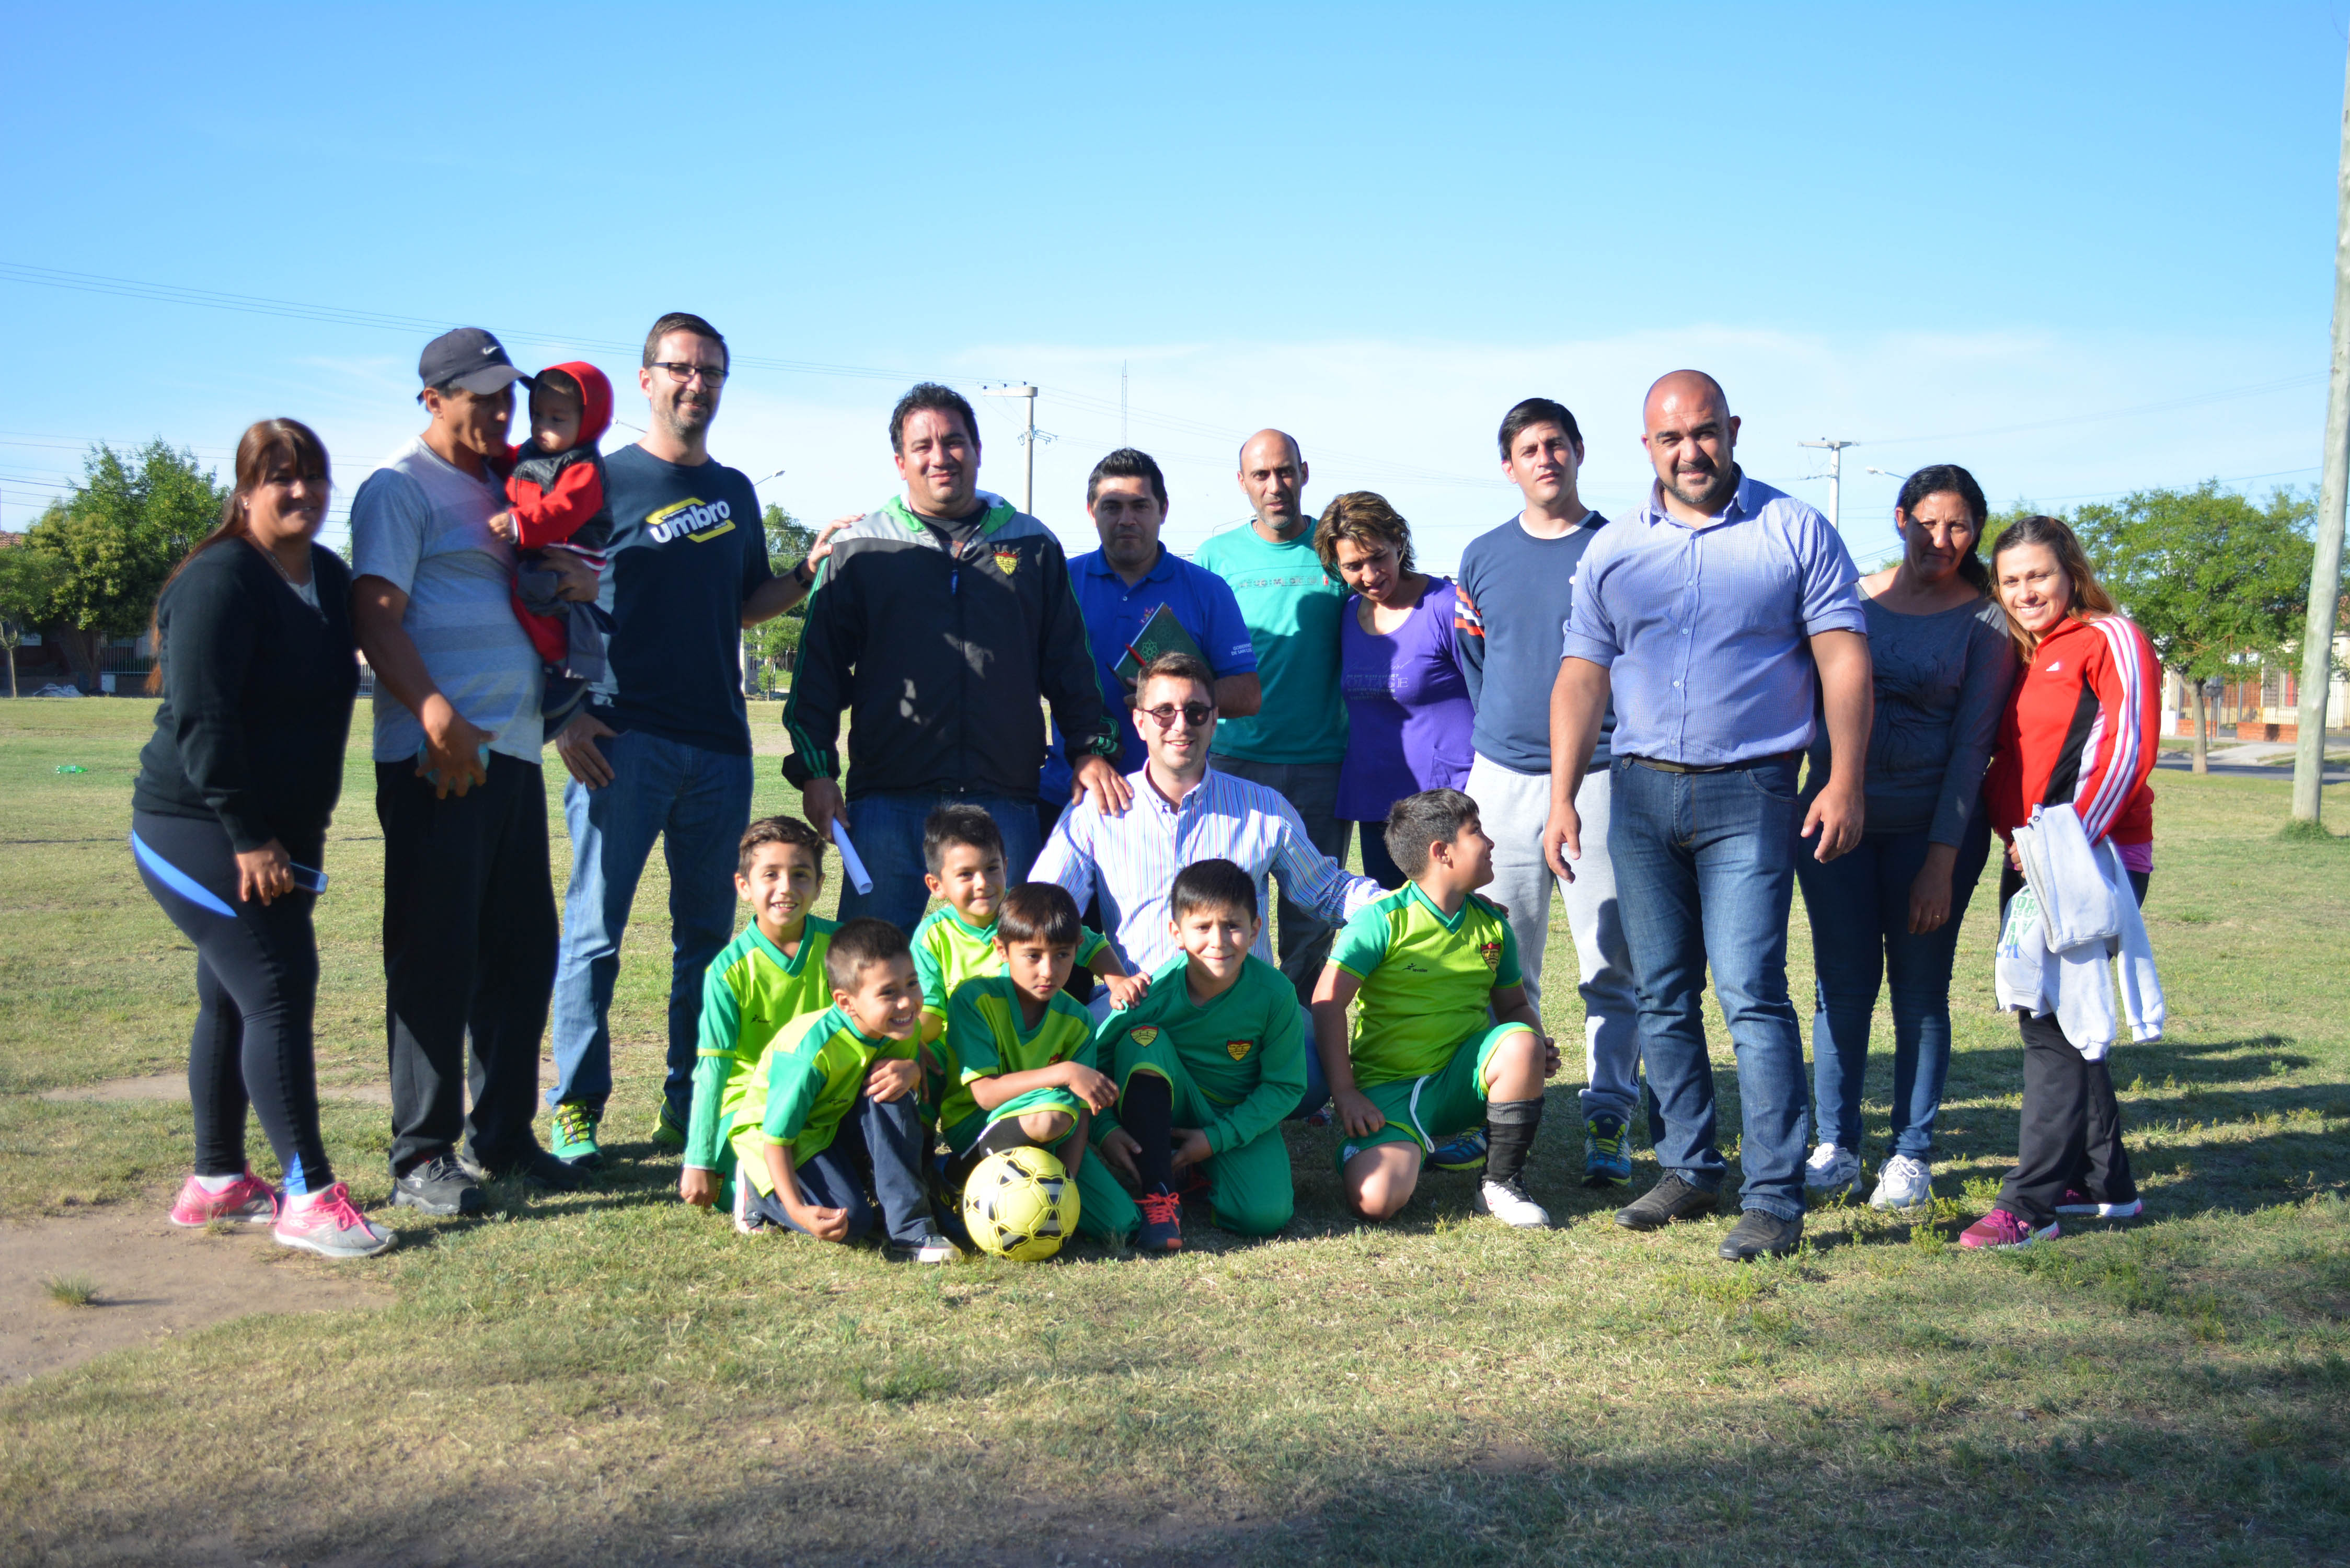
point(701, 521)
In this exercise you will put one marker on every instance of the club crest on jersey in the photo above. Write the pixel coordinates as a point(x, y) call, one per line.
point(1007, 561)
point(1237, 1049)
point(701, 521)
point(1144, 1035)
point(1491, 953)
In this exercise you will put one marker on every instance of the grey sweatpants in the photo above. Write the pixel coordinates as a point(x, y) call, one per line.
point(1513, 807)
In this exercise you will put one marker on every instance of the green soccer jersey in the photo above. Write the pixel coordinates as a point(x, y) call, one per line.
point(807, 1079)
point(1291, 607)
point(1427, 981)
point(949, 950)
point(987, 1038)
point(750, 991)
point(1245, 1050)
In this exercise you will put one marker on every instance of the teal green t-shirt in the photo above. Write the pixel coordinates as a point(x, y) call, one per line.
point(1291, 607)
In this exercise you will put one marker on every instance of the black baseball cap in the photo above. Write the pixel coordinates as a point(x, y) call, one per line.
point(469, 358)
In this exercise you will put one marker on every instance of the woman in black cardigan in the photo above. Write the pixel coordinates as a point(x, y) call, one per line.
point(258, 672)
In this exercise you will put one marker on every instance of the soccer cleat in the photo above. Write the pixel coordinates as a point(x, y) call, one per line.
point(247, 1200)
point(1193, 1186)
point(1760, 1233)
point(1507, 1201)
point(575, 1135)
point(1162, 1222)
point(1829, 1174)
point(748, 1220)
point(1670, 1199)
point(2001, 1229)
point(1464, 1152)
point(667, 1132)
point(2077, 1201)
point(1319, 1116)
point(437, 1185)
point(1607, 1152)
point(331, 1227)
point(932, 1247)
point(1904, 1181)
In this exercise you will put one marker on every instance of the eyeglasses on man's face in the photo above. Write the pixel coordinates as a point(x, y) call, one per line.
point(712, 375)
point(1193, 715)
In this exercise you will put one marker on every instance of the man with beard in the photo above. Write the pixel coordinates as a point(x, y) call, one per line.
point(662, 749)
point(1722, 616)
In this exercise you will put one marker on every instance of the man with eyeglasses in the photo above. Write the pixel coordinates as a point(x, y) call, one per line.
point(662, 747)
point(942, 621)
point(1185, 812)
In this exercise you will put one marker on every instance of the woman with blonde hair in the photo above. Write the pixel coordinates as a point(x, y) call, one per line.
point(228, 826)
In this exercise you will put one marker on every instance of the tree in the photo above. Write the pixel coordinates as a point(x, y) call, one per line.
point(28, 586)
point(115, 539)
point(778, 641)
point(2211, 578)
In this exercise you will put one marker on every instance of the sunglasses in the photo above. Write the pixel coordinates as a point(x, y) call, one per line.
point(1193, 715)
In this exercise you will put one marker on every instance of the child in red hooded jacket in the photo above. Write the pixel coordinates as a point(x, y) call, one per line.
point(555, 492)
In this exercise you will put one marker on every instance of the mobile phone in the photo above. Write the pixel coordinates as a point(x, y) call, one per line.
point(307, 879)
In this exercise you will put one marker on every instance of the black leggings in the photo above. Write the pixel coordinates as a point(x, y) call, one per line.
point(256, 991)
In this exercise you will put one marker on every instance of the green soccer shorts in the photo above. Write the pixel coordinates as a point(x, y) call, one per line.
point(1249, 1189)
point(1438, 1105)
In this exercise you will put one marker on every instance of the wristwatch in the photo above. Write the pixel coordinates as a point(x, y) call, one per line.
point(803, 574)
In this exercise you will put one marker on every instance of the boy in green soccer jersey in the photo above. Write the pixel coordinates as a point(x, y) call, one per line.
point(1023, 1045)
point(1444, 1037)
point(963, 852)
point(770, 974)
point(829, 1114)
point(1207, 1065)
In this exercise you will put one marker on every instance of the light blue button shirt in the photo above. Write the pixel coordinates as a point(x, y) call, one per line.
point(1702, 630)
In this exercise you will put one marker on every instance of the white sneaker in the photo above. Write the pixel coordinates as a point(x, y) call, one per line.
point(1830, 1172)
point(932, 1247)
point(748, 1220)
point(1906, 1182)
point(1507, 1201)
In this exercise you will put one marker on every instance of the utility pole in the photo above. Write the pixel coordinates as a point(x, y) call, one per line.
point(1028, 497)
point(1835, 475)
point(2325, 569)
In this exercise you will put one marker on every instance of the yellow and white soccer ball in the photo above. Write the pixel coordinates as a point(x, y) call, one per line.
point(1020, 1204)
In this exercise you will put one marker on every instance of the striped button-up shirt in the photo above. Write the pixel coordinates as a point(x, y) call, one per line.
point(1131, 861)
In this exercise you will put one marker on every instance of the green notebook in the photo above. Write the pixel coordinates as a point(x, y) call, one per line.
point(1162, 633)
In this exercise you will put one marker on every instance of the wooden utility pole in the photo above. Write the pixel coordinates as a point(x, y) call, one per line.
point(2325, 569)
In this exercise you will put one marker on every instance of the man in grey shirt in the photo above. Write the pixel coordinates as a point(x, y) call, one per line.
point(469, 928)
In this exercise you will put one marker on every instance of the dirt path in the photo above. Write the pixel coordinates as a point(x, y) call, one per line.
point(154, 1279)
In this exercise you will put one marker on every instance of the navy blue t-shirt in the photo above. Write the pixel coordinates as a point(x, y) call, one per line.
point(1514, 594)
point(687, 549)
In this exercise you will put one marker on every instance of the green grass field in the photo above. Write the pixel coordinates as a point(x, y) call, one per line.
point(609, 1378)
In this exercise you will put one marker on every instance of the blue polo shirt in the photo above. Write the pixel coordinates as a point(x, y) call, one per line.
point(1114, 614)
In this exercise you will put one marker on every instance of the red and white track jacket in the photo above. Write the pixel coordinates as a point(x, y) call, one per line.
point(2080, 730)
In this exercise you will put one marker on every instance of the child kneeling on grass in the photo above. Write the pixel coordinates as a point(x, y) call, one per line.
point(1207, 1064)
point(829, 1114)
point(770, 975)
point(1024, 1047)
point(1445, 1037)
point(963, 852)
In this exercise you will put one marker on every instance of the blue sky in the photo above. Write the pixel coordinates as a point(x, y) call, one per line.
point(2079, 249)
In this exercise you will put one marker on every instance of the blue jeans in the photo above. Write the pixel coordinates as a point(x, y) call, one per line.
point(1859, 906)
point(1705, 874)
point(697, 802)
point(888, 832)
point(878, 1146)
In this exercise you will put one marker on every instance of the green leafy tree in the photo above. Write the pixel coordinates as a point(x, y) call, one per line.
point(116, 537)
point(774, 643)
point(28, 586)
point(2214, 579)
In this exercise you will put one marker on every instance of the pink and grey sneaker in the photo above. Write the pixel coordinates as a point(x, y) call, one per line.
point(2077, 1201)
point(2001, 1229)
point(247, 1200)
point(331, 1227)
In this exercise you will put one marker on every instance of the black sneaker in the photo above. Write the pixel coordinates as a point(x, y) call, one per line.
point(437, 1185)
point(1761, 1234)
point(539, 1170)
point(1670, 1199)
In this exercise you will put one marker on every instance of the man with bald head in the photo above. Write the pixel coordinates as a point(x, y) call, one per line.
point(1722, 615)
point(1297, 737)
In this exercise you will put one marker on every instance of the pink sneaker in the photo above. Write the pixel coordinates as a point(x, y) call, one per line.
point(331, 1227)
point(247, 1200)
point(2075, 1201)
point(2001, 1229)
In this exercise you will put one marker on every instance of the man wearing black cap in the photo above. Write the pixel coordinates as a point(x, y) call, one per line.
point(469, 930)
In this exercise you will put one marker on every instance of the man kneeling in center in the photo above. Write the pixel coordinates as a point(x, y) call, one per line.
point(1445, 1039)
point(1207, 1063)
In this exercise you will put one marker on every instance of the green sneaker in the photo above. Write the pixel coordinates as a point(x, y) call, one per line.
point(575, 1135)
point(669, 1133)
